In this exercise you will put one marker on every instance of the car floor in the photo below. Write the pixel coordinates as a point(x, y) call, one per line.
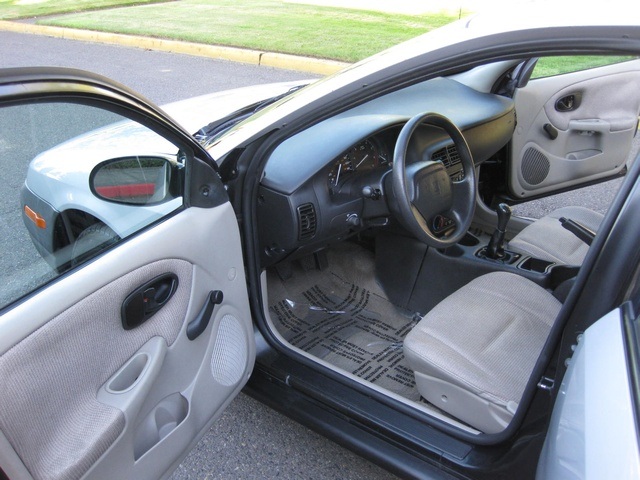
point(339, 314)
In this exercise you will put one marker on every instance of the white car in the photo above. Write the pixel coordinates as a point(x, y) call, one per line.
point(345, 254)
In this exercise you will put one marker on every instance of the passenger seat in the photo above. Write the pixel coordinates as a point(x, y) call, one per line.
point(547, 239)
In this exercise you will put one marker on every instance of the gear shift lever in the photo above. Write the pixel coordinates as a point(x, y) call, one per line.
point(495, 249)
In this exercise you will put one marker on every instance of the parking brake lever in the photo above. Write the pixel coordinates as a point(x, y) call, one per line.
point(583, 233)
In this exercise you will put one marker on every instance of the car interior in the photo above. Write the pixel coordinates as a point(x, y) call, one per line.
point(397, 261)
point(388, 250)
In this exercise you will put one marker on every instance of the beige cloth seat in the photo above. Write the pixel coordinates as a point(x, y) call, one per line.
point(472, 355)
point(548, 240)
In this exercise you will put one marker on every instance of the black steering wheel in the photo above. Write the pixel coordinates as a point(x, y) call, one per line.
point(424, 191)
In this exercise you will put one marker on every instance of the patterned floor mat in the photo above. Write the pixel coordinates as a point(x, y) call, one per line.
point(352, 327)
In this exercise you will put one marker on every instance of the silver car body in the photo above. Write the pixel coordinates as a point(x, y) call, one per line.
point(71, 163)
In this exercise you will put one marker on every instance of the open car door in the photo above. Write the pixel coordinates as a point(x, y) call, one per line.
point(125, 327)
point(574, 127)
point(594, 426)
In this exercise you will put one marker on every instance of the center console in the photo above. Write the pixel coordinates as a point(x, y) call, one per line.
point(418, 277)
point(544, 272)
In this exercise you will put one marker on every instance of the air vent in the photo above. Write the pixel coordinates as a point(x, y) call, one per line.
point(450, 157)
point(307, 221)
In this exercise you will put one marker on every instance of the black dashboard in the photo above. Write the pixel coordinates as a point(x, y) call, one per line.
point(332, 180)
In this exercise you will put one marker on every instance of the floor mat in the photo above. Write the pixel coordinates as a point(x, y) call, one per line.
point(347, 323)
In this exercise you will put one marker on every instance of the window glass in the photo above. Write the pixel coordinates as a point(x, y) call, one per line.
point(550, 66)
point(75, 180)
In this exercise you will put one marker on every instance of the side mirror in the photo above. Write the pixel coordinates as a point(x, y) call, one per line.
point(134, 180)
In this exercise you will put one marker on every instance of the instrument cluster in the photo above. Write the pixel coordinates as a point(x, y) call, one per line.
point(367, 155)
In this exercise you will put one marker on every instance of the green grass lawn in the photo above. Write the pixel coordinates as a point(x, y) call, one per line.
point(15, 9)
point(266, 25)
point(549, 66)
point(269, 25)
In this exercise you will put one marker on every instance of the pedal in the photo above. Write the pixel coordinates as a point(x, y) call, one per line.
point(321, 260)
point(284, 271)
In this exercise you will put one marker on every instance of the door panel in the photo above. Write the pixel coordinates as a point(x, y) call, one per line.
point(61, 409)
point(574, 128)
point(92, 389)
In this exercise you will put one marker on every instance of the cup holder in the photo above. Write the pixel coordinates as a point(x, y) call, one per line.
point(469, 240)
point(163, 419)
point(456, 250)
point(536, 265)
point(453, 251)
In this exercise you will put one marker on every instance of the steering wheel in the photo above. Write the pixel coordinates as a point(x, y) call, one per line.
point(424, 190)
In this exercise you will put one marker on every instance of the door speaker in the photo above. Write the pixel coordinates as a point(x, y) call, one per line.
point(229, 357)
point(535, 166)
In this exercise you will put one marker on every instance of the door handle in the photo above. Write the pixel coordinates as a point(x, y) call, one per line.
point(568, 103)
point(198, 325)
point(145, 301)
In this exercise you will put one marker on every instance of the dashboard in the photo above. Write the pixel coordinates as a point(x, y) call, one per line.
point(332, 180)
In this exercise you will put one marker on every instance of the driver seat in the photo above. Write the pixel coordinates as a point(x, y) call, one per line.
point(473, 353)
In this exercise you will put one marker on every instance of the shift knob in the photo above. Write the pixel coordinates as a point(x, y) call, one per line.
point(495, 249)
point(504, 214)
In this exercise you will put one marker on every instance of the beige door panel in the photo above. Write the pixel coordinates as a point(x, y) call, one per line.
point(555, 149)
point(84, 398)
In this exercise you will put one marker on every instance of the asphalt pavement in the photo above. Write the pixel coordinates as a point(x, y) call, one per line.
point(161, 77)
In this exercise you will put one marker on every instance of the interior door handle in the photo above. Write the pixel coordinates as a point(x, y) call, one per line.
point(145, 301)
point(568, 103)
point(198, 325)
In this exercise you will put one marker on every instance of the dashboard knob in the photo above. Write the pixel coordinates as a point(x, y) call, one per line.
point(353, 219)
point(370, 192)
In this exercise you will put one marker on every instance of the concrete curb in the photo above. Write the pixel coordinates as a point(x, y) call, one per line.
point(254, 57)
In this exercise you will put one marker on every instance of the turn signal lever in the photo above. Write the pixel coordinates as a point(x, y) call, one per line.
point(495, 249)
